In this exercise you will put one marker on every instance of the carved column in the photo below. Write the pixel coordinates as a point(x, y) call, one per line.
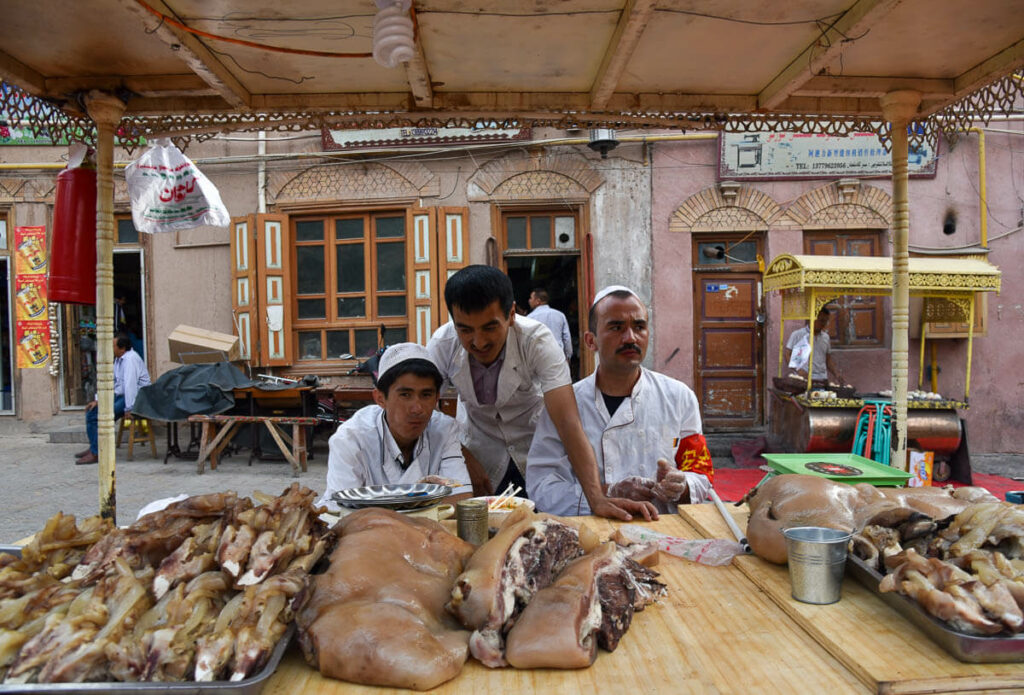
point(899, 108)
point(105, 110)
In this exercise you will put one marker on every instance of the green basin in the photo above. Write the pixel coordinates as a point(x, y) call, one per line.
point(842, 468)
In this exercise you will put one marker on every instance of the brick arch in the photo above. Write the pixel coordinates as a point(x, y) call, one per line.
point(846, 204)
point(575, 167)
point(363, 181)
point(537, 184)
point(725, 208)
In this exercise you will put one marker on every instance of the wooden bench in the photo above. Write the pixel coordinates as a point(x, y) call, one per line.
point(218, 430)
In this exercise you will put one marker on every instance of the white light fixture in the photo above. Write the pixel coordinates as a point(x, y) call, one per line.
point(392, 33)
point(602, 140)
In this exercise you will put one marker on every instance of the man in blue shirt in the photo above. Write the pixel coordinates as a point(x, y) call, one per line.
point(129, 376)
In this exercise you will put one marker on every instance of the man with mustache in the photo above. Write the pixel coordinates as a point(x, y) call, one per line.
point(636, 420)
point(508, 371)
point(404, 438)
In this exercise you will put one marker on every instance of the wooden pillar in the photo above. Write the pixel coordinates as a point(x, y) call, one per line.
point(899, 108)
point(105, 110)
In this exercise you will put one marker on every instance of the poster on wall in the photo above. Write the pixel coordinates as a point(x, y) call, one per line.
point(32, 327)
point(761, 156)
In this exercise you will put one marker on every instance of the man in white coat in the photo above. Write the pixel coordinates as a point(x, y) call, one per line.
point(404, 438)
point(552, 318)
point(508, 370)
point(634, 418)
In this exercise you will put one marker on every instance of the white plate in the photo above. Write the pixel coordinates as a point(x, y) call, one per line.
point(397, 497)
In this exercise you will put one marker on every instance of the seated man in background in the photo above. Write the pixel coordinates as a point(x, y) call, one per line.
point(635, 419)
point(404, 438)
point(130, 375)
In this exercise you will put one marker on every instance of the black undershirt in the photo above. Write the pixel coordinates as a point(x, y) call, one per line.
point(612, 403)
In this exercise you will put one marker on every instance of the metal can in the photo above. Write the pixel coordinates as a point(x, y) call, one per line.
point(471, 521)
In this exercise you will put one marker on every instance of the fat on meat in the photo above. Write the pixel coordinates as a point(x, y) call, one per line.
point(807, 500)
point(377, 615)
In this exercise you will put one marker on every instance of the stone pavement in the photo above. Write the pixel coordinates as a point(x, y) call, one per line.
point(40, 478)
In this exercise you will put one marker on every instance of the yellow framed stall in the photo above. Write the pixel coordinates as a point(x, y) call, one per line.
point(947, 286)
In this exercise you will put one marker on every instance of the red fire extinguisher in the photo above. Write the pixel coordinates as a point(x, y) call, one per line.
point(73, 250)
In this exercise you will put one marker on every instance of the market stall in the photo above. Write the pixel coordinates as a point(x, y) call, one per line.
point(815, 421)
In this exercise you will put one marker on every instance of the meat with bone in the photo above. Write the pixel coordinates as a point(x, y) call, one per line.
point(806, 500)
point(377, 615)
point(590, 604)
point(526, 555)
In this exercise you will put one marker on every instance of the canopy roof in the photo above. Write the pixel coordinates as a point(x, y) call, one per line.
point(805, 65)
point(874, 275)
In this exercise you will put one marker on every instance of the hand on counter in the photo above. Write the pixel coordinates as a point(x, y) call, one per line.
point(623, 509)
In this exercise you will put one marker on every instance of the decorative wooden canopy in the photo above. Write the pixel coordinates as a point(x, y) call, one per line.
point(192, 68)
point(808, 283)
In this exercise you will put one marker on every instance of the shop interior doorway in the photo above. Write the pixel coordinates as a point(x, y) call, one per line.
point(6, 340)
point(78, 329)
point(559, 275)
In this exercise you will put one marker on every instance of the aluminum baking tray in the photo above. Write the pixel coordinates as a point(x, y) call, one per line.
point(250, 686)
point(397, 497)
point(970, 648)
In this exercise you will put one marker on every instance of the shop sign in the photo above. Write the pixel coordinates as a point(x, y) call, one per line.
point(32, 326)
point(813, 156)
point(398, 137)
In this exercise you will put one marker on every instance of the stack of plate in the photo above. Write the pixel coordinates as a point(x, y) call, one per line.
point(396, 497)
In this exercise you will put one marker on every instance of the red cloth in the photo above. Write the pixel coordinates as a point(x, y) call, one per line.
point(693, 455)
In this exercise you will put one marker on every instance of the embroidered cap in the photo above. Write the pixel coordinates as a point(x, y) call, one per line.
point(608, 290)
point(401, 352)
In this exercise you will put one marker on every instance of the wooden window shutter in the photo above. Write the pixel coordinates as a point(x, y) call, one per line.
point(244, 305)
point(423, 260)
point(453, 250)
point(273, 253)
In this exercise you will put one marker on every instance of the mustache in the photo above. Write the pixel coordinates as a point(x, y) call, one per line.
point(628, 346)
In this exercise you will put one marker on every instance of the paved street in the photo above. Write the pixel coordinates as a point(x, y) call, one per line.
point(40, 478)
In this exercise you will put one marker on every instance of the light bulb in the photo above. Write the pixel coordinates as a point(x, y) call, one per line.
point(392, 33)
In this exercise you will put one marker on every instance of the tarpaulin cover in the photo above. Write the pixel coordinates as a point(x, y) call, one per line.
point(193, 389)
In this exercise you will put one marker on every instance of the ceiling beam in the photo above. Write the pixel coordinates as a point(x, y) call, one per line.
point(147, 86)
point(826, 47)
point(827, 85)
point(15, 72)
point(416, 71)
point(634, 18)
point(192, 51)
point(1005, 62)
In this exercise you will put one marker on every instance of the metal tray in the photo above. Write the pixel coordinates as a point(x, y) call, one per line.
point(396, 497)
point(970, 648)
point(840, 468)
point(250, 686)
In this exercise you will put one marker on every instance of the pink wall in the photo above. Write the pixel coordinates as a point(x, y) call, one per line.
point(995, 420)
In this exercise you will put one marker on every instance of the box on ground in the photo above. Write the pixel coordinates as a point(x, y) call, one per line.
point(190, 345)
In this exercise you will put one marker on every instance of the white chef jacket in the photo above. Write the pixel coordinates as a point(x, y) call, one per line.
point(364, 452)
point(822, 347)
point(557, 323)
point(534, 365)
point(646, 426)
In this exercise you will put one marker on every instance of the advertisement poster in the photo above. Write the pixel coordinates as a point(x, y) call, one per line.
point(761, 156)
point(32, 327)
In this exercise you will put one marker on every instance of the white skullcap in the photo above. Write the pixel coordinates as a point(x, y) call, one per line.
point(401, 352)
point(608, 290)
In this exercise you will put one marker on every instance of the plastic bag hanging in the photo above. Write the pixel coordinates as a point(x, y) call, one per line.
point(168, 192)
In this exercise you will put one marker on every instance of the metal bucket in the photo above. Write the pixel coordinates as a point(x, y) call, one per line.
point(817, 560)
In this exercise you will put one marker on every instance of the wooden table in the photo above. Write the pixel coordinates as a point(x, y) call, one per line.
point(877, 645)
point(713, 633)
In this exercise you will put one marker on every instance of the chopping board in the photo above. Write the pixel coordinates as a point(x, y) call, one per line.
point(711, 634)
point(877, 644)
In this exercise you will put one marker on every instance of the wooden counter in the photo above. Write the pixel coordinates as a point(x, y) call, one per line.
point(714, 632)
point(875, 643)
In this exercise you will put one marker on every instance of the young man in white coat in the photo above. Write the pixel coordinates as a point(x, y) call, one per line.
point(508, 371)
point(404, 438)
point(634, 418)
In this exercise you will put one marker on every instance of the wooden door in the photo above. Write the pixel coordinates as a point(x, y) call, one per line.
point(728, 351)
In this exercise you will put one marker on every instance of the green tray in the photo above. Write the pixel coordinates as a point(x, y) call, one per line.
point(852, 468)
